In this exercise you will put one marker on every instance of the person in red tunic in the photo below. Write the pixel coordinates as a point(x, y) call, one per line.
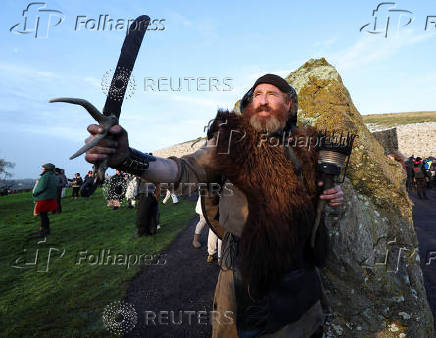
point(44, 194)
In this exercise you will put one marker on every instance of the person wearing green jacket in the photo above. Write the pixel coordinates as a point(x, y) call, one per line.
point(44, 194)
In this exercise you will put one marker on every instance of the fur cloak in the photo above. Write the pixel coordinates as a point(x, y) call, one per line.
point(281, 202)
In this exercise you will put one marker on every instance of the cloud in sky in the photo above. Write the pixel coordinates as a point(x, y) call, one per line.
point(20, 70)
point(325, 43)
point(93, 81)
point(370, 49)
point(179, 18)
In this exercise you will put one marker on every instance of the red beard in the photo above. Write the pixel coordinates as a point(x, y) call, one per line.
point(261, 121)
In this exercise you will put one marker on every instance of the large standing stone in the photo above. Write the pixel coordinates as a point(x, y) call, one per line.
point(373, 279)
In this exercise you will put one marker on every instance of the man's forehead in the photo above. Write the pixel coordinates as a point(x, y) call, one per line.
point(266, 87)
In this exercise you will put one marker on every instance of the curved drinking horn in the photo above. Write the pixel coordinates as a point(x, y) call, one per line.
point(105, 121)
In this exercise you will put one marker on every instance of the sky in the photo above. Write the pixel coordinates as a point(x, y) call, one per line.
point(386, 68)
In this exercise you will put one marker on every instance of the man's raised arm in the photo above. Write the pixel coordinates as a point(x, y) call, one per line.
point(189, 170)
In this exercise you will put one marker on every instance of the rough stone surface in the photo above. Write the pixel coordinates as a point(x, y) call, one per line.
point(373, 279)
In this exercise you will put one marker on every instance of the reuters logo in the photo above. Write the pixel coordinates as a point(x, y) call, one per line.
point(124, 84)
point(114, 189)
point(119, 318)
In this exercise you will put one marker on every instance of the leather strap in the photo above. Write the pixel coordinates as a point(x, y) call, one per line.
point(136, 162)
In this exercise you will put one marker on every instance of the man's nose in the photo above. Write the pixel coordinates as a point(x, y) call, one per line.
point(263, 99)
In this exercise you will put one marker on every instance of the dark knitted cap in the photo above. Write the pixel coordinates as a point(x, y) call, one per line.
point(48, 166)
point(283, 86)
point(275, 80)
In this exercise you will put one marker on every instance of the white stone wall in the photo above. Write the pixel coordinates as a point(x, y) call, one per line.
point(417, 139)
point(179, 149)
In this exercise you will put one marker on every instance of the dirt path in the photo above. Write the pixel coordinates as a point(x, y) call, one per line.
point(180, 291)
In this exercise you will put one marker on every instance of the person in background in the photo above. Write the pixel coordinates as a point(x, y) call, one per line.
point(409, 171)
point(88, 187)
point(213, 248)
point(427, 164)
point(397, 156)
point(419, 173)
point(156, 210)
point(61, 185)
point(146, 220)
point(44, 194)
point(62, 173)
point(212, 238)
point(132, 190)
point(172, 195)
point(116, 190)
point(200, 224)
point(76, 184)
point(433, 173)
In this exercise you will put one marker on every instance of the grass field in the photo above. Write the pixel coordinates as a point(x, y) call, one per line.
point(62, 298)
point(396, 119)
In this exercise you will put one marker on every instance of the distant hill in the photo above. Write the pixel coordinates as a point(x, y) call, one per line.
point(18, 184)
point(396, 119)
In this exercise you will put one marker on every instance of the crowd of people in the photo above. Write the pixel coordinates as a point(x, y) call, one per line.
point(49, 190)
point(137, 192)
point(420, 173)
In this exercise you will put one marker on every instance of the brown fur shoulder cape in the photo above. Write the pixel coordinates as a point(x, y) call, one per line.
point(281, 205)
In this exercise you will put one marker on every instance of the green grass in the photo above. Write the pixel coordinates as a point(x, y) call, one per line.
point(396, 119)
point(68, 300)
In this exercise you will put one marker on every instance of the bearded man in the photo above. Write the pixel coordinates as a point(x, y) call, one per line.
point(287, 305)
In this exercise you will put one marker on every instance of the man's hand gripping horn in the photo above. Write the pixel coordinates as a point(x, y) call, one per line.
point(105, 121)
